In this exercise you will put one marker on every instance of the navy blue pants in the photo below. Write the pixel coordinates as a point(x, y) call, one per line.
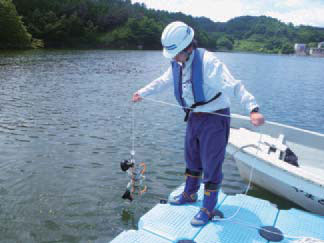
point(205, 144)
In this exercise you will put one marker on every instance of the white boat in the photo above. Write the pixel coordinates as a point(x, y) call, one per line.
point(265, 149)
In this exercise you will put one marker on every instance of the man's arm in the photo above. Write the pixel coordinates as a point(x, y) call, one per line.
point(234, 88)
point(156, 86)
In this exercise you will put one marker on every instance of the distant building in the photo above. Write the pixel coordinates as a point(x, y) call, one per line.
point(319, 51)
point(320, 45)
point(300, 49)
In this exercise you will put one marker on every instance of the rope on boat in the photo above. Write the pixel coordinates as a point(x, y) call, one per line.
point(300, 239)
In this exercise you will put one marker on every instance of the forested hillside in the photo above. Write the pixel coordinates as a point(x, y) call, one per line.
point(13, 33)
point(119, 24)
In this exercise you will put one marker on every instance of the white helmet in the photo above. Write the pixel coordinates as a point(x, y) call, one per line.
point(176, 37)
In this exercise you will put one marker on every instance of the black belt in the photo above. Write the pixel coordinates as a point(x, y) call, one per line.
point(199, 104)
point(201, 113)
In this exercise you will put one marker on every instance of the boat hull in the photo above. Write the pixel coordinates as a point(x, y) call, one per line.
point(279, 181)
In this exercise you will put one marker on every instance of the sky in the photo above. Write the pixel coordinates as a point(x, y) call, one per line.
point(298, 12)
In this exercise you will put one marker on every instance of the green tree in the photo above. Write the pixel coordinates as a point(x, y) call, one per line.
point(287, 48)
point(224, 43)
point(203, 38)
point(13, 33)
point(147, 32)
point(121, 24)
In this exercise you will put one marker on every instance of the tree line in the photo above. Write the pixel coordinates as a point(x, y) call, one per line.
point(119, 24)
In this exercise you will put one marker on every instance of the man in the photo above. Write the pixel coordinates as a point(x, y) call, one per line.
point(204, 84)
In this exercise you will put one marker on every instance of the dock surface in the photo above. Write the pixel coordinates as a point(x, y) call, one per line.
point(166, 223)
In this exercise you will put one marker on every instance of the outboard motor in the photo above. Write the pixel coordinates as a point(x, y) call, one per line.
point(291, 157)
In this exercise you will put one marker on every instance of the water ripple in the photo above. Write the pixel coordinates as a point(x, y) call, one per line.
point(65, 125)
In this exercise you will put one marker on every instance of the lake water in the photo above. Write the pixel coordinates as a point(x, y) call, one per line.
point(65, 125)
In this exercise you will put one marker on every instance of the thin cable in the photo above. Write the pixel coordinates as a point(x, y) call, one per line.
point(250, 179)
point(247, 189)
point(252, 169)
point(251, 172)
point(133, 133)
point(236, 221)
point(182, 107)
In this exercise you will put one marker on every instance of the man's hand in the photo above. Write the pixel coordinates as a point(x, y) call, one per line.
point(136, 97)
point(257, 118)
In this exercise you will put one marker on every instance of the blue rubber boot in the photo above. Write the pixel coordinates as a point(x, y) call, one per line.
point(206, 212)
point(189, 195)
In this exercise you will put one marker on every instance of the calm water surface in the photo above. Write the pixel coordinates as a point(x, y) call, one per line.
point(65, 124)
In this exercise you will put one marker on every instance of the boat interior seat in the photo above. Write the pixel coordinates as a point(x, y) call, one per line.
point(269, 145)
point(273, 146)
point(278, 149)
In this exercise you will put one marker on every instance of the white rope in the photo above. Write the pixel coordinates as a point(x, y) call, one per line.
point(250, 178)
point(182, 107)
point(132, 152)
point(251, 172)
point(236, 221)
point(309, 240)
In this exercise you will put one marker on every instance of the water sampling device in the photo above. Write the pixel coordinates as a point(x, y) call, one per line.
point(135, 171)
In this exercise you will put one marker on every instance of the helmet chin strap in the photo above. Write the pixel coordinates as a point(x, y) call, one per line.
point(188, 54)
point(185, 52)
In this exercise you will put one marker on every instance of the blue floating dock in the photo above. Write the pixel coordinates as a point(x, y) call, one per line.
point(166, 223)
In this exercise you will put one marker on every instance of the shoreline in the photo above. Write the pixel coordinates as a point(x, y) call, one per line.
point(113, 49)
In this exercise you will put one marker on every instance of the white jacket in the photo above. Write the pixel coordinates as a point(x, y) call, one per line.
point(217, 78)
